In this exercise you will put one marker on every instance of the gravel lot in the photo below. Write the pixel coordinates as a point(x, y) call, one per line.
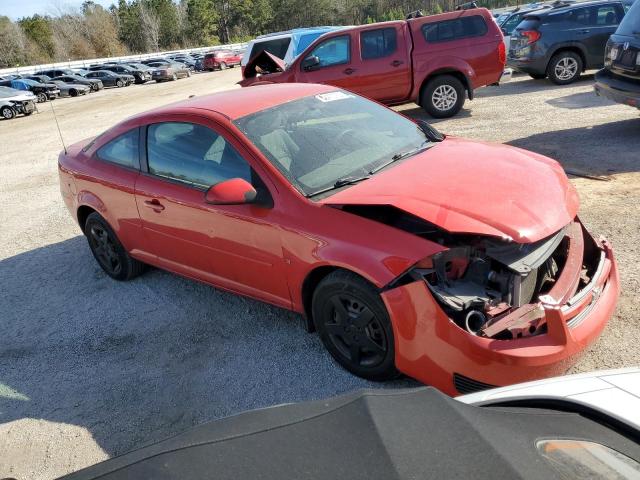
point(90, 368)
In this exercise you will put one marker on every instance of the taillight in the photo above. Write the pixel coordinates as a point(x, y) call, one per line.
point(502, 53)
point(532, 36)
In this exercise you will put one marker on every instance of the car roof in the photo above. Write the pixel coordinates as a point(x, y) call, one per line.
point(571, 6)
point(238, 103)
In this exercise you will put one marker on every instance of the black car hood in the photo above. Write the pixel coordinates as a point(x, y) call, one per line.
point(401, 434)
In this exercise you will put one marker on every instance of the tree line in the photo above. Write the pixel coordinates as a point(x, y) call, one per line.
point(143, 26)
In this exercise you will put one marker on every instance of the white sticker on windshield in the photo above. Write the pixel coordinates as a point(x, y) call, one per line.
point(332, 96)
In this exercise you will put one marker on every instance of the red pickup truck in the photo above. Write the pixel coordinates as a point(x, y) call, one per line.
point(436, 61)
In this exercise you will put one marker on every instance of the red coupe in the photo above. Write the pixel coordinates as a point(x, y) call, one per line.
point(459, 263)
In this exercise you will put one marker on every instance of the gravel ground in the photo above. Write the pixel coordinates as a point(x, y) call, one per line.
point(90, 368)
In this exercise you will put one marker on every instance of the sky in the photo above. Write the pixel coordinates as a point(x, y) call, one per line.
point(15, 9)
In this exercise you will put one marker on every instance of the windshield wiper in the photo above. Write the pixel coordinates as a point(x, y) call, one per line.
point(399, 156)
point(341, 182)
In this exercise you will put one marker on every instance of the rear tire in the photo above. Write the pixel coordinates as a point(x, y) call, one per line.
point(443, 96)
point(538, 76)
point(564, 68)
point(7, 113)
point(108, 251)
point(174, 77)
point(354, 325)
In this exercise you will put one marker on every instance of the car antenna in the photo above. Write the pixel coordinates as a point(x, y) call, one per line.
point(55, 117)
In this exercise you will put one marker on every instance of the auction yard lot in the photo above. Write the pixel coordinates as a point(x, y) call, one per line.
point(90, 367)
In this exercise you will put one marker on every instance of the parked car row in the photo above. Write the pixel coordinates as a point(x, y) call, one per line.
point(20, 92)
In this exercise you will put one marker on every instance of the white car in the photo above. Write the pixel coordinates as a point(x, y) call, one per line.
point(612, 393)
point(13, 102)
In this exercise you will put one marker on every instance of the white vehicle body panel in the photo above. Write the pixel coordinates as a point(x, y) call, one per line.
point(613, 392)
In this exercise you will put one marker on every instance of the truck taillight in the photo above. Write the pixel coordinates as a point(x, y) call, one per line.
point(502, 53)
point(532, 36)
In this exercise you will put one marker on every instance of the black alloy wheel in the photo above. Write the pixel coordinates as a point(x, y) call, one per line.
point(354, 325)
point(104, 249)
point(108, 251)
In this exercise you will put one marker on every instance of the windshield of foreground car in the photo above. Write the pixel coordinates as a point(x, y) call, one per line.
point(327, 141)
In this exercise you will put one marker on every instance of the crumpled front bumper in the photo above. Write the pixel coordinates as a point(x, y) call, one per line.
point(431, 348)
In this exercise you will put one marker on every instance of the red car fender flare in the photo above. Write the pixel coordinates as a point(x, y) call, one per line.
point(442, 66)
point(88, 199)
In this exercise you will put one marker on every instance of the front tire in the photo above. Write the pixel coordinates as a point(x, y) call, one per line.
point(7, 113)
point(223, 66)
point(73, 93)
point(108, 251)
point(119, 84)
point(443, 96)
point(564, 68)
point(42, 97)
point(354, 325)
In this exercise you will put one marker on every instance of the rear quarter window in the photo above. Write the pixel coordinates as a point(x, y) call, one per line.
point(122, 150)
point(449, 30)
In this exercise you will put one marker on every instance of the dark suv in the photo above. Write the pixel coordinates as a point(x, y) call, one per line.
point(619, 80)
point(562, 42)
point(141, 76)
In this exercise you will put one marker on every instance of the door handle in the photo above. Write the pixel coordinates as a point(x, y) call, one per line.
point(154, 204)
point(396, 63)
point(348, 71)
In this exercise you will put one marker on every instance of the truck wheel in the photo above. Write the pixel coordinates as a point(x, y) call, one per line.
point(42, 97)
point(564, 68)
point(443, 96)
point(7, 113)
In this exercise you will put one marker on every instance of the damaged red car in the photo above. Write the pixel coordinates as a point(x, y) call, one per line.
point(459, 263)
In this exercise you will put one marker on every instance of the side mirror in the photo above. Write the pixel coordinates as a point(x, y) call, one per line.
point(310, 63)
point(235, 191)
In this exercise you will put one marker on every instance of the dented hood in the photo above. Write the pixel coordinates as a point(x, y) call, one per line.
point(472, 187)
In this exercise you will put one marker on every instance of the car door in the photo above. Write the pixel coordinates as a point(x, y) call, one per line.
point(118, 162)
point(236, 247)
point(603, 20)
point(384, 71)
point(337, 65)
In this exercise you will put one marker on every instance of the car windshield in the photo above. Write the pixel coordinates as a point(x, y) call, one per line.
point(326, 141)
point(630, 24)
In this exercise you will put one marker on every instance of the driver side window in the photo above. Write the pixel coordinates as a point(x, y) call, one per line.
point(193, 154)
point(334, 51)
